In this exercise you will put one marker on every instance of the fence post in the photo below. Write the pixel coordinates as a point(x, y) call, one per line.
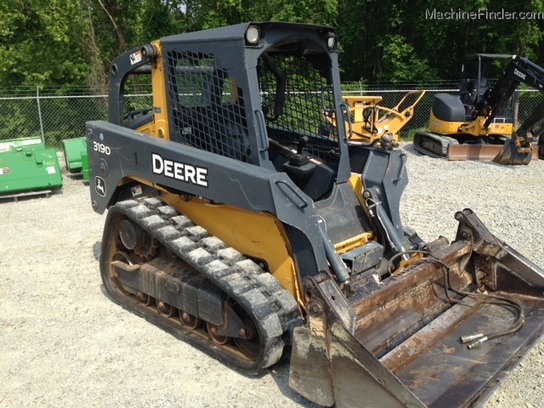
point(40, 112)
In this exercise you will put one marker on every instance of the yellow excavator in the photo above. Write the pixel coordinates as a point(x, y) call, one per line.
point(234, 225)
point(478, 124)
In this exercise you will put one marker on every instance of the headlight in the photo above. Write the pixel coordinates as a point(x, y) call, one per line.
point(331, 41)
point(252, 35)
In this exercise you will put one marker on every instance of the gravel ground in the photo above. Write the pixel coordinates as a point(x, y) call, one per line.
point(63, 343)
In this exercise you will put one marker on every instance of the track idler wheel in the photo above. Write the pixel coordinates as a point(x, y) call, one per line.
point(189, 321)
point(165, 309)
point(249, 343)
point(213, 333)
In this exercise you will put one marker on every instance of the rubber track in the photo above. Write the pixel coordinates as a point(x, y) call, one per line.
point(443, 141)
point(273, 308)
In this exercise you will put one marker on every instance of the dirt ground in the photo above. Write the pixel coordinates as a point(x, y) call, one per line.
point(63, 343)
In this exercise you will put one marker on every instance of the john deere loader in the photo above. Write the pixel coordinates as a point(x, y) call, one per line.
point(234, 224)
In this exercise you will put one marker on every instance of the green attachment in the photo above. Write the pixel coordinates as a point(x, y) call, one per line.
point(85, 165)
point(13, 144)
point(27, 165)
point(75, 154)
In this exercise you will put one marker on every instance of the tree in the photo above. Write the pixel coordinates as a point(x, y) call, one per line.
point(61, 43)
point(377, 38)
point(215, 13)
point(38, 45)
point(399, 62)
point(386, 40)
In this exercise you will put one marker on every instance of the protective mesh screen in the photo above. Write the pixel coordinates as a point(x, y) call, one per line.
point(207, 107)
point(295, 94)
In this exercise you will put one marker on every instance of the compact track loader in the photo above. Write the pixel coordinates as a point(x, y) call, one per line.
point(235, 225)
point(478, 124)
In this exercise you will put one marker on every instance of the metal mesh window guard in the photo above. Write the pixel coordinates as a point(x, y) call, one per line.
point(207, 108)
point(295, 94)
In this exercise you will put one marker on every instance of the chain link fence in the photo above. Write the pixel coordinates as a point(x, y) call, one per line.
point(524, 102)
point(56, 117)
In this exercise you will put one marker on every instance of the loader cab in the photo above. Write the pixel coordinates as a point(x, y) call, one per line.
point(260, 95)
point(297, 94)
point(126, 80)
point(257, 93)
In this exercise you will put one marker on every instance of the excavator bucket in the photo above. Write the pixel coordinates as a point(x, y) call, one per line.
point(439, 333)
point(514, 152)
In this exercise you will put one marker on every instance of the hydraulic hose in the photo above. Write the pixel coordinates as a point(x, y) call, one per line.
point(476, 339)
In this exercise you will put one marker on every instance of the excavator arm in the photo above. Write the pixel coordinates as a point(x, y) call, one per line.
point(519, 70)
point(518, 149)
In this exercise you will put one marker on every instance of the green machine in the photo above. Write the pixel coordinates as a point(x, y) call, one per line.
point(75, 154)
point(27, 166)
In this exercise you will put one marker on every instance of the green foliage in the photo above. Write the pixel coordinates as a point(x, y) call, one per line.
point(214, 13)
point(399, 63)
point(309, 11)
point(66, 43)
point(159, 18)
point(395, 41)
point(39, 45)
point(71, 124)
point(18, 115)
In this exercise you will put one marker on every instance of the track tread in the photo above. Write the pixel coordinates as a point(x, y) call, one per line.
point(259, 293)
point(421, 144)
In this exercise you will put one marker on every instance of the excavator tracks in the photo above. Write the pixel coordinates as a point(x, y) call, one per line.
point(433, 145)
point(175, 254)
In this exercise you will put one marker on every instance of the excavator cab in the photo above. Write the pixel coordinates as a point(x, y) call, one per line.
point(479, 74)
point(237, 224)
